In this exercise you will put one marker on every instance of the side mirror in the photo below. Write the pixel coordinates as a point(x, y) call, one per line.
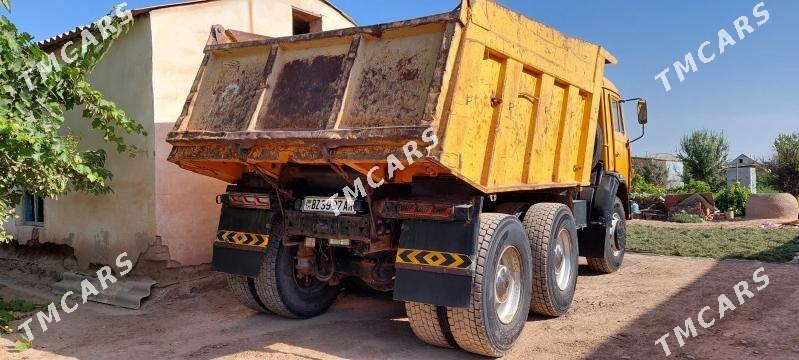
point(643, 116)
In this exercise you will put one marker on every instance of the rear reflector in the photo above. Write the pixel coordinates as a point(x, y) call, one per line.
point(247, 200)
point(425, 211)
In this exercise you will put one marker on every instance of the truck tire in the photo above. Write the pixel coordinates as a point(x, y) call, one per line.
point(615, 242)
point(429, 324)
point(552, 232)
point(278, 287)
point(243, 289)
point(501, 289)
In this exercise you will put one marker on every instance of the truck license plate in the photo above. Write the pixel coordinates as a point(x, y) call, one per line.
point(325, 205)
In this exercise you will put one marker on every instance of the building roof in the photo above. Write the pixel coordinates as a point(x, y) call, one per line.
point(75, 33)
point(744, 161)
point(659, 156)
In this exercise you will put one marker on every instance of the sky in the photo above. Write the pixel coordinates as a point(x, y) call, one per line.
point(745, 92)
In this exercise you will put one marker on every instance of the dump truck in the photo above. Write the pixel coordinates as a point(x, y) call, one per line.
point(462, 161)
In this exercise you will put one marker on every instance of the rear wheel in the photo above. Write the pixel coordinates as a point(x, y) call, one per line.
point(285, 292)
point(553, 236)
point(615, 242)
point(429, 324)
point(243, 288)
point(497, 311)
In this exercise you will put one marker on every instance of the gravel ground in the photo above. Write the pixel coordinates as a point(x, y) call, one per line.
point(618, 316)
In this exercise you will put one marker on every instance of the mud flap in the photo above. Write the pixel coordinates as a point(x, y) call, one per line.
point(435, 262)
point(241, 240)
point(592, 238)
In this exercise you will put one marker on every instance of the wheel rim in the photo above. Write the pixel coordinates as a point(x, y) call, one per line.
point(562, 261)
point(614, 243)
point(507, 284)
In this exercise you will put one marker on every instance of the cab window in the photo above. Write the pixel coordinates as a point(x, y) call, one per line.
point(616, 113)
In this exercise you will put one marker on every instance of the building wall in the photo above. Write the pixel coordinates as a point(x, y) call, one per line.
point(675, 174)
point(186, 212)
point(747, 176)
point(98, 228)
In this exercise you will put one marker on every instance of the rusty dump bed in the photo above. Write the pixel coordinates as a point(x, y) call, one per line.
point(512, 102)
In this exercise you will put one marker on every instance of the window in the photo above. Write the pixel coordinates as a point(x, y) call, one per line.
point(305, 22)
point(616, 113)
point(32, 209)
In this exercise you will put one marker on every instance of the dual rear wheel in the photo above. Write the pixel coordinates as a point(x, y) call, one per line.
point(279, 289)
point(522, 266)
point(500, 295)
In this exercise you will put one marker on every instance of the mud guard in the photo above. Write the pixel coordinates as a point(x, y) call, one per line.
point(241, 241)
point(592, 238)
point(435, 262)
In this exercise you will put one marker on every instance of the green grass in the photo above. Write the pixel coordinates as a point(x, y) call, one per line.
point(15, 310)
point(686, 219)
point(771, 245)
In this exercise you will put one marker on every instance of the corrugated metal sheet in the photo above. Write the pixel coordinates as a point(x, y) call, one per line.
point(127, 294)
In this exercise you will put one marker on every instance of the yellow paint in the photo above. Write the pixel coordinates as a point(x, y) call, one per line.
point(433, 258)
point(517, 107)
point(240, 238)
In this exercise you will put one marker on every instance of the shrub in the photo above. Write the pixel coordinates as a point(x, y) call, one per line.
point(733, 199)
point(704, 156)
point(646, 194)
point(642, 186)
point(764, 187)
point(693, 187)
point(686, 219)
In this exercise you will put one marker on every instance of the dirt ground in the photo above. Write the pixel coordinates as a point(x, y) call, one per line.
point(618, 316)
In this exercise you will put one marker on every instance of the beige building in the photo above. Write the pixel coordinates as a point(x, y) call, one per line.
point(159, 214)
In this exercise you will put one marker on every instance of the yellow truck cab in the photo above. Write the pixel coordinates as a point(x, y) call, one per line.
point(462, 161)
point(617, 157)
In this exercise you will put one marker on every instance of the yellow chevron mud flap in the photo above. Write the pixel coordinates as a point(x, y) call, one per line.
point(435, 262)
point(242, 238)
point(241, 241)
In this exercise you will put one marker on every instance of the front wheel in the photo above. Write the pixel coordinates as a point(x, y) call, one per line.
point(615, 242)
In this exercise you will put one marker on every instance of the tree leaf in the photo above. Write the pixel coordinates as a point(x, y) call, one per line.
point(37, 151)
point(21, 345)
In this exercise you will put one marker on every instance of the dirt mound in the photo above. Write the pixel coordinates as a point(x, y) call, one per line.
point(772, 206)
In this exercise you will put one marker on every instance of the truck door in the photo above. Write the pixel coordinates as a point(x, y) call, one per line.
point(621, 143)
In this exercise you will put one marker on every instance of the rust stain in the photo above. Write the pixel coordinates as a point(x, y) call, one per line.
point(304, 94)
point(392, 87)
point(406, 69)
point(231, 96)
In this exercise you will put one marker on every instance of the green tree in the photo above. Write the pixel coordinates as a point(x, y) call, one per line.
point(785, 163)
point(37, 152)
point(693, 187)
point(654, 172)
point(733, 198)
point(704, 155)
